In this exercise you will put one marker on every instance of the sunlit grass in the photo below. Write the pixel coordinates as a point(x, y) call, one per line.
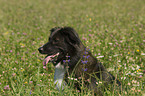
point(113, 30)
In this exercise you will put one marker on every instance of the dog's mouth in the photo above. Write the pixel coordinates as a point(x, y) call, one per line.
point(50, 58)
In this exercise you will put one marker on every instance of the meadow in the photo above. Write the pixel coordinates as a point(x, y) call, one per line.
point(114, 30)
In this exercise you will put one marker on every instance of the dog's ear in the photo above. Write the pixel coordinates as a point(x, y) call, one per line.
point(54, 29)
point(71, 36)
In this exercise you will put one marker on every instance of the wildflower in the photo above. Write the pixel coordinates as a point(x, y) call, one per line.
point(68, 60)
point(67, 56)
point(6, 87)
point(128, 84)
point(24, 33)
point(33, 53)
point(100, 56)
point(44, 67)
point(142, 53)
point(16, 62)
point(11, 51)
point(133, 89)
point(128, 52)
point(64, 61)
point(100, 82)
point(30, 82)
point(38, 84)
point(133, 68)
point(140, 76)
point(26, 82)
point(123, 78)
point(137, 50)
point(97, 83)
point(30, 92)
point(90, 35)
point(90, 19)
point(119, 61)
point(14, 74)
point(38, 60)
point(134, 81)
point(22, 45)
point(90, 30)
point(135, 84)
point(137, 67)
point(110, 43)
point(84, 38)
point(86, 52)
point(84, 62)
point(121, 41)
point(88, 56)
point(139, 73)
point(6, 33)
point(85, 69)
point(132, 74)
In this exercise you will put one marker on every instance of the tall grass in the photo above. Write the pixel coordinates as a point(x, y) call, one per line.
point(114, 30)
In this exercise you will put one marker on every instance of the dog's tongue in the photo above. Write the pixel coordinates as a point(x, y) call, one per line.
point(48, 58)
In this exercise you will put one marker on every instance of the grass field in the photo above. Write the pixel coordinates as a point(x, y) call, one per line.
point(114, 30)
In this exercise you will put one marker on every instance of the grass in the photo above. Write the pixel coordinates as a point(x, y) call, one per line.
point(114, 30)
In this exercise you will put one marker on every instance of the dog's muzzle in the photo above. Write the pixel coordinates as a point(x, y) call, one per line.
point(40, 49)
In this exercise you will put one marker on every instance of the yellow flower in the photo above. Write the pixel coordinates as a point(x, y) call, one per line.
point(128, 52)
point(38, 60)
point(26, 82)
point(90, 19)
point(6, 33)
point(137, 70)
point(137, 50)
point(22, 45)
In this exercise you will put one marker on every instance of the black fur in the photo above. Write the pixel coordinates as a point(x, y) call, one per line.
point(66, 41)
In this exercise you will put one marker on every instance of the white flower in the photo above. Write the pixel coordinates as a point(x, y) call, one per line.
point(142, 53)
point(133, 68)
point(137, 67)
point(110, 43)
point(100, 56)
point(132, 74)
point(123, 78)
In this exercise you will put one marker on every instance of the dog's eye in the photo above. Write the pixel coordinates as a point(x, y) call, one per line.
point(56, 40)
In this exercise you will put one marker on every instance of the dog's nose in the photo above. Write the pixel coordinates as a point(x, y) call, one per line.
point(40, 49)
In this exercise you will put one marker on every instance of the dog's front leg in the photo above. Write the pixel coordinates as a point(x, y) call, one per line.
point(59, 76)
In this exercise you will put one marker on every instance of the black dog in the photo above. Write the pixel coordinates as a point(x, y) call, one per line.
point(70, 56)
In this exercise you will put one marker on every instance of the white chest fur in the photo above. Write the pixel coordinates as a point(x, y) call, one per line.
point(58, 76)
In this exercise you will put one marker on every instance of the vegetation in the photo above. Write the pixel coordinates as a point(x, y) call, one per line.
point(114, 30)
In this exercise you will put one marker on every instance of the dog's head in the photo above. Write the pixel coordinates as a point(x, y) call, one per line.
point(61, 42)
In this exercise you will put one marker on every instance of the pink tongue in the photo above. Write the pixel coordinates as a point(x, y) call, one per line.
point(47, 59)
